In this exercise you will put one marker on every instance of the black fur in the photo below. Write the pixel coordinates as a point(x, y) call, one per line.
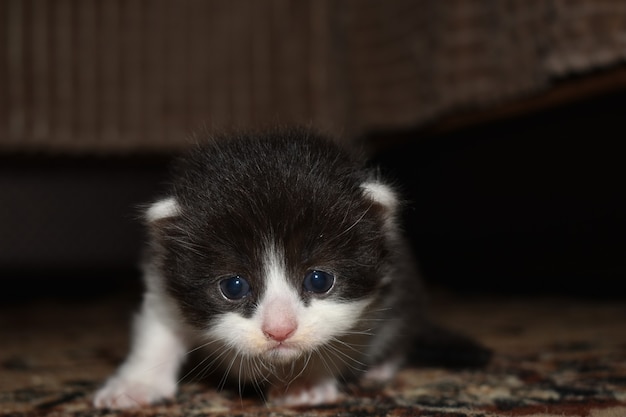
point(294, 187)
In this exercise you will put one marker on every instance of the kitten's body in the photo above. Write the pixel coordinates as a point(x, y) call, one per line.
point(280, 255)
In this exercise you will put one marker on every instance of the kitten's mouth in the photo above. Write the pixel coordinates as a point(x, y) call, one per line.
point(282, 351)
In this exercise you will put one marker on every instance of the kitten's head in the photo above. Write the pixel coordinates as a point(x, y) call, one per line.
point(274, 244)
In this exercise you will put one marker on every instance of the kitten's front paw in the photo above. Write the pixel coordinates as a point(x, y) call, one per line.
point(380, 374)
point(125, 393)
point(321, 393)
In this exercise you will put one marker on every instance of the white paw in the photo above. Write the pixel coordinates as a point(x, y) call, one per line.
point(380, 374)
point(125, 393)
point(321, 393)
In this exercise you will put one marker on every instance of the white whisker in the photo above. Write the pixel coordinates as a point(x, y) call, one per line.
point(352, 346)
point(343, 358)
point(352, 226)
point(341, 354)
point(304, 366)
point(224, 378)
point(199, 364)
point(211, 367)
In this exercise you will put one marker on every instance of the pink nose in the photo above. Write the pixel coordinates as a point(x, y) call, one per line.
point(279, 331)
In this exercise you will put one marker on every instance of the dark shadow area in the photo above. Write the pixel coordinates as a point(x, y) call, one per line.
point(71, 226)
point(529, 205)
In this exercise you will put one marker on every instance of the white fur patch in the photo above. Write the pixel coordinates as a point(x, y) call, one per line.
point(150, 371)
point(322, 392)
point(276, 281)
point(381, 194)
point(163, 209)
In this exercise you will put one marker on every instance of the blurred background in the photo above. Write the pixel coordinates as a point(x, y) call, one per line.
point(501, 120)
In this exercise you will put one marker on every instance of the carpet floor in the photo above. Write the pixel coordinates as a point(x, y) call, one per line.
point(552, 356)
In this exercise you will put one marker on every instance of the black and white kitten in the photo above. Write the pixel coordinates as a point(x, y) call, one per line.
point(279, 255)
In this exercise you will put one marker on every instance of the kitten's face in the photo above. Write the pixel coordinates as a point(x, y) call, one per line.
point(275, 245)
point(291, 317)
point(277, 290)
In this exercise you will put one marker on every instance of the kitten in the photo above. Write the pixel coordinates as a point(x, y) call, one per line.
point(279, 254)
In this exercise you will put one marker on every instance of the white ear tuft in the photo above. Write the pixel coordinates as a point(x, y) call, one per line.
point(382, 194)
point(163, 209)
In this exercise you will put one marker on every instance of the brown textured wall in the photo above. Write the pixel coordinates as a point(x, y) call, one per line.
point(111, 76)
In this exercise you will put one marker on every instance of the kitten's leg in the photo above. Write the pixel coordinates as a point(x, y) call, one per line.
point(150, 371)
point(381, 373)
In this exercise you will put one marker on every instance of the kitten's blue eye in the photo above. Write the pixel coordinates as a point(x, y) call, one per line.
point(235, 288)
point(318, 281)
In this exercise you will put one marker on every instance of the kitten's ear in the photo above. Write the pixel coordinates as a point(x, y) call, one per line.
point(386, 198)
point(381, 194)
point(162, 211)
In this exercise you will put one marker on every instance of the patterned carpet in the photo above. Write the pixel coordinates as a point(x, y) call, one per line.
point(552, 357)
